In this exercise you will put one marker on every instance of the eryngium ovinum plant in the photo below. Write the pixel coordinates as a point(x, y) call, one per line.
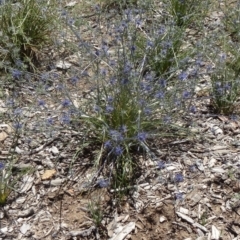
point(225, 79)
point(187, 12)
point(129, 108)
point(166, 35)
point(25, 28)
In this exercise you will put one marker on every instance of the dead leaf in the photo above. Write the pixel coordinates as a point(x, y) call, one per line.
point(223, 118)
point(48, 174)
point(70, 192)
point(3, 136)
point(7, 128)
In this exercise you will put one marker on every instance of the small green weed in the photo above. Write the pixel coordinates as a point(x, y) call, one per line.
point(9, 178)
point(203, 219)
point(231, 173)
point(96, 212)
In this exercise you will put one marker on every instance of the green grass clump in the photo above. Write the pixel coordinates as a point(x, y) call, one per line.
point(225, 79)
point(9, 178)
point(25, 28)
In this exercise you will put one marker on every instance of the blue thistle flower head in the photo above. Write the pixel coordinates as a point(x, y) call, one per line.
point(161, 30)
point(147, 111)
point(44, 77)
point(1, 166)
point(116, 136)
point(113, 80)
point(96, 108)
point(85, 73)
point(227, 86)
point(186, 94)
point(104, 47)
point(10, 102)
point(74, 80)
point(160, 95)
point(71, 21)
point(179, 196)
point(17, 112)
point(103, 71)
point(108, 144)
point(127, 68)
point(110, 99)
point(142, 136)
point(59, 87)
point(123, 129)
point(109, 109)
point(17, 125)
point(65, 118)
point(138, 22)
point(234, 117)
point(150, 44)
point(161, 165)
point(125, 81)
point(49, 121)
point(193, 109)
point(16, 74)
point(167, 119)
point(103, 183)
point(97, 8)
point(167, 44)
point(66, 103)
point(183, 76)
point(41, 103)
point(133, 48)
point(112, 63)
point(178, 178)
point(55, 75)
point(163, 82)
point(223, 57)
point(118, 150)
point(19, 63)
point(193, 168)
point(149, 77)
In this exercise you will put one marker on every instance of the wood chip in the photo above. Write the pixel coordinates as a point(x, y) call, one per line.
point(125, 231)
point(162, 219)
point(200, 226)
point(82, 233)
point(26, 213)
point(27, 183)
point(54, 150)
point(215, 233)
point(185, 217)
point(24, 228)
point(218, 170)
point(63, 65)
point(48, 174)
point(3, 136)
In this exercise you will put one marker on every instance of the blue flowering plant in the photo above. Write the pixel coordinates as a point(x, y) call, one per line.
point(226, 82)
point(231, 20)
point(163, 43)
point(25, 28)
point(129, 107)
point(185, 12)
point(105, 4)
